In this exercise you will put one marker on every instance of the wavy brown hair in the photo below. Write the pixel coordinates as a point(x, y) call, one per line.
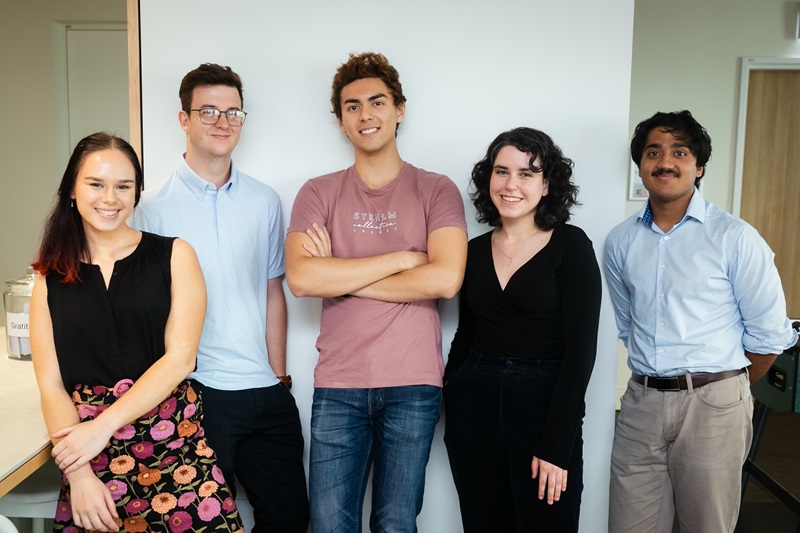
point(365, 65)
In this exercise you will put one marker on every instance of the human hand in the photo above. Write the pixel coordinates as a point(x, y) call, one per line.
point(321, 241)
point(92, 504)
point(416, 259)
point(79, 444)
point(552, 479)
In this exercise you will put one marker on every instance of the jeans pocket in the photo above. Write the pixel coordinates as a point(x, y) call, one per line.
point(630, 396)
point(459, 371)
point(722, 395)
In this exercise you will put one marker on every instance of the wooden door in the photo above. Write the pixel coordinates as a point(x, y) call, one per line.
point(771, 171)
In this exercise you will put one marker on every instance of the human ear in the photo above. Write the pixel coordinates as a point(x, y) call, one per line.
point(183, 120)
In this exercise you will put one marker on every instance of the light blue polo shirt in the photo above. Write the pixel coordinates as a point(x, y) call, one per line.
point(237, 233)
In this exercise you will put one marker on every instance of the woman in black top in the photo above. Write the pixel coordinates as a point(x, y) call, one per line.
point(116, 317)
point(521, 359)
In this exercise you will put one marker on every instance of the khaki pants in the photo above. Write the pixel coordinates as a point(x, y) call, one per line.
point(680, 451)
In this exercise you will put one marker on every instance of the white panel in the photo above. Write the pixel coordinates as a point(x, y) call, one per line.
point(97, 82)
point(469, 70)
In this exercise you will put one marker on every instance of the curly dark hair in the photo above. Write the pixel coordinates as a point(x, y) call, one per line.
point(554, 208)
point(365, 65)
point(683, 126)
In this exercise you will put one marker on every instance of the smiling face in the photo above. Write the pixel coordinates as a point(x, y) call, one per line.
point(515, 188)
point(668, 168)
point(369, 115)
point(105, 191)
point(210, 141)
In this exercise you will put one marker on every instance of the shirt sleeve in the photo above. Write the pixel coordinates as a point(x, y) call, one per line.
point(276, 237)
point(580, 292)
point(620, 296)
point(759, 296)
point(308, 208)
point(447, 207)
point(459, 348)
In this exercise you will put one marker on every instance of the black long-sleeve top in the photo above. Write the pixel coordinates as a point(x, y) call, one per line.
point(550, 309)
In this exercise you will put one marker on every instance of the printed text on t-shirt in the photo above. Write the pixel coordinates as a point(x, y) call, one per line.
point(373, 222)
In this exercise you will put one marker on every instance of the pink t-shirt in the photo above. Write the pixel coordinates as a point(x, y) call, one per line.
point(366, 343)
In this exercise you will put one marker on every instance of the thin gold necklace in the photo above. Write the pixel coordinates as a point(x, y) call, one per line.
point(511, 257)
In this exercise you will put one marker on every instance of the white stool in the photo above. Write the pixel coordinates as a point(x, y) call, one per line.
point(6, 525)
point(34, 498)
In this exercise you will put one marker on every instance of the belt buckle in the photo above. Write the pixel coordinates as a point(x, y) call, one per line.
point(675, 380)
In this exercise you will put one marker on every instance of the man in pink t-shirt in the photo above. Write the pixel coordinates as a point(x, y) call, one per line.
point(380, 242)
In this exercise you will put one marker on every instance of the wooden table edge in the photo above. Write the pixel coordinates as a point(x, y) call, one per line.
point(29, 467)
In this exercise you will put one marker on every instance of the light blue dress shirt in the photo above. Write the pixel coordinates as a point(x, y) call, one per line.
point(237, 233)
point(695, 298)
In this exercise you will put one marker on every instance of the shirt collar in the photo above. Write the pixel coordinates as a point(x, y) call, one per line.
point(199, 186)
point(697, 207)
point(695, 210)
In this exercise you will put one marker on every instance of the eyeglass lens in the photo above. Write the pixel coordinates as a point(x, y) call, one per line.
point(211, 115)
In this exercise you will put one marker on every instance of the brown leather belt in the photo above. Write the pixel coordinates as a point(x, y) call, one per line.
point(679, 382)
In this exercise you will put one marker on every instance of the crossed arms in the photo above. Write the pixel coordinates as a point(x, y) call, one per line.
point(397, 277)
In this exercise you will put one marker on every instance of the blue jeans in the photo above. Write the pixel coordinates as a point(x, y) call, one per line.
point(352, 429)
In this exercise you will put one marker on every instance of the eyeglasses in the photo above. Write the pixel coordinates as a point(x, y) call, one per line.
point(210, 115)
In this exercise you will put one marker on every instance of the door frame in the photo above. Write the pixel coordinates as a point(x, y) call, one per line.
point(134, 78)
point(749, 64)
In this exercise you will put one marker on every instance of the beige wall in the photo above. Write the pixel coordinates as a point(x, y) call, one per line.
point(29, 174)
point(686, 56)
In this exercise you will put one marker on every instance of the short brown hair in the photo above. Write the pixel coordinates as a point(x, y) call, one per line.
point(208, 74)
point(365, 65)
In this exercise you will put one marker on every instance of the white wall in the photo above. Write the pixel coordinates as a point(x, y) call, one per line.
point(29, 144)
point(470, 70)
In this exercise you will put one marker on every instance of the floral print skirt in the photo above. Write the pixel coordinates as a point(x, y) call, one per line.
point(159, 469)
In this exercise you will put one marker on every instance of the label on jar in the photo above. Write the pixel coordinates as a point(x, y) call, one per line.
point(17, 325)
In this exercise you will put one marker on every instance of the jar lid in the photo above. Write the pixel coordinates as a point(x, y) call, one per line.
point(23, 284)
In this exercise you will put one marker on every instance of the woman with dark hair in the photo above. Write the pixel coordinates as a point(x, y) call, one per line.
point(521, 359)
point(116, 316)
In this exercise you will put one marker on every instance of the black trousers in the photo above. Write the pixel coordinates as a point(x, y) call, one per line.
point(257, 437)
point(495, 409)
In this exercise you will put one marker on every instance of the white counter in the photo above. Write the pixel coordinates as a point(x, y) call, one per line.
point(24, 443)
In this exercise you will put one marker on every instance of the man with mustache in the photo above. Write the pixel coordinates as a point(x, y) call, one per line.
point(700, 307)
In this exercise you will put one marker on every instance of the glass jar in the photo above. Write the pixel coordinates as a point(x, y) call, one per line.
point(17, 302)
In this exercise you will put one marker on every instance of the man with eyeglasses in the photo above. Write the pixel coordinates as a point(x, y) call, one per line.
point(235, 224)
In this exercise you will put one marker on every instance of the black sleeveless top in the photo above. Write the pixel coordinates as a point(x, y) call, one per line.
point(105, 335)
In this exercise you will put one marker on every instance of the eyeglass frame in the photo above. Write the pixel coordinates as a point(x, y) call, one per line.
point(219, 115)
